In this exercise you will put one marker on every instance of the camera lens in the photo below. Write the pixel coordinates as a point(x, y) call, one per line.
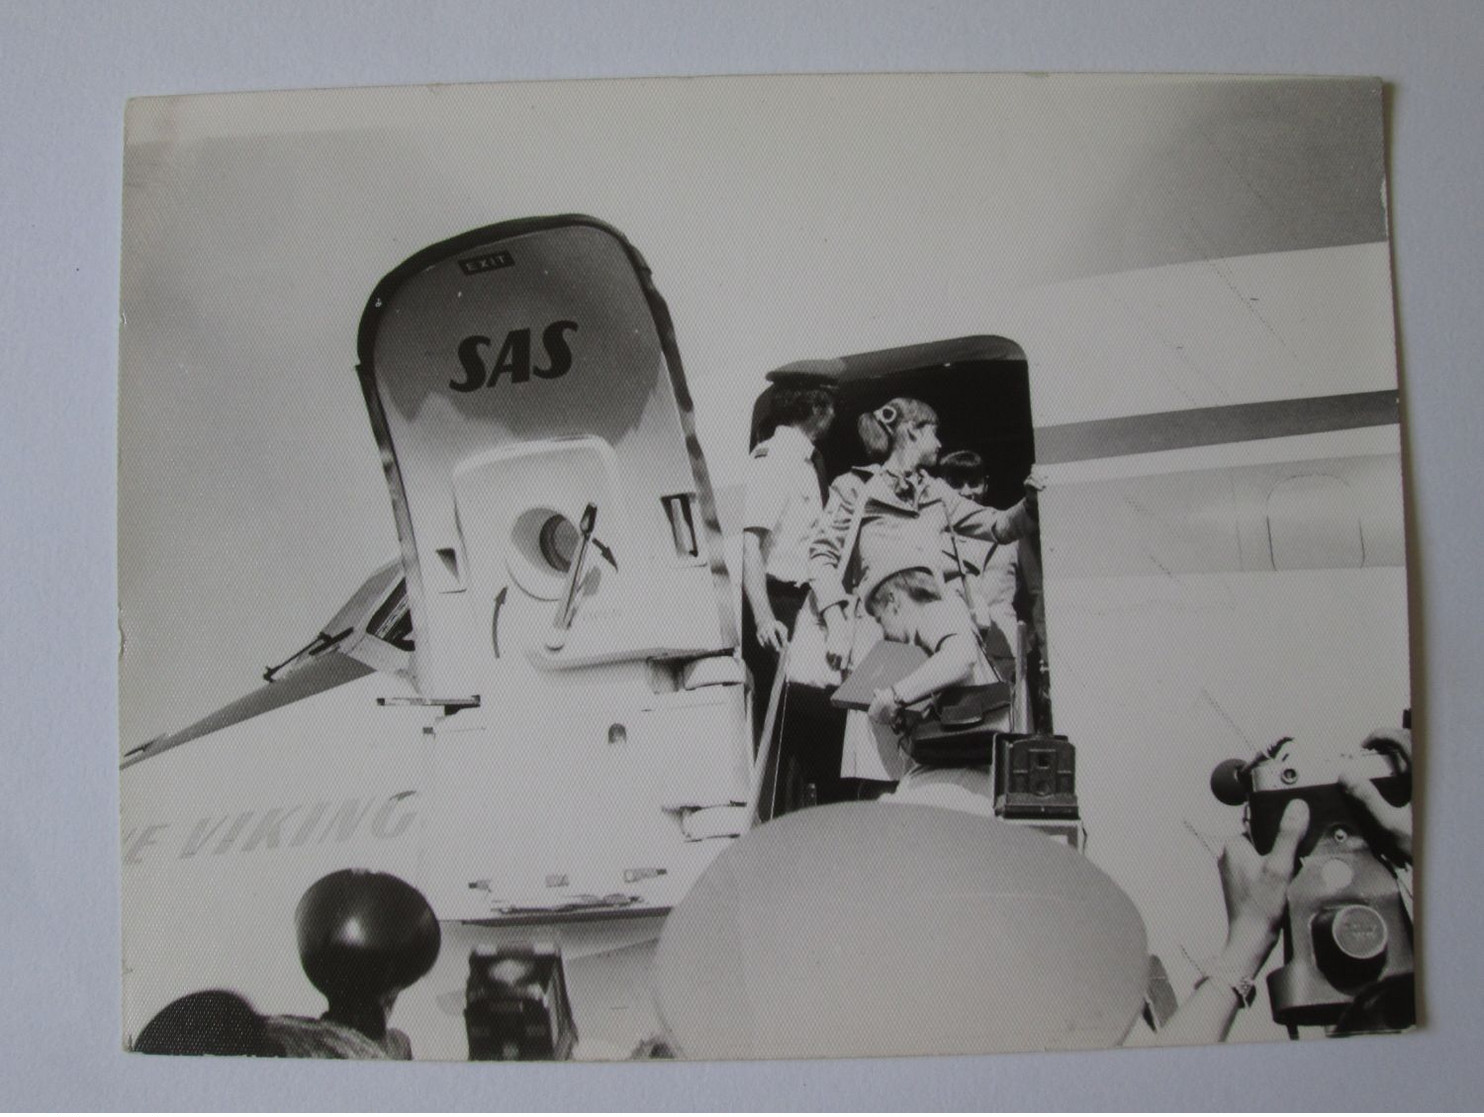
point(1359, 931)
point(1350, 943)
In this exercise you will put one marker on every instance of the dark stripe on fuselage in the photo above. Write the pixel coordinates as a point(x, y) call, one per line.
point(1212, 426)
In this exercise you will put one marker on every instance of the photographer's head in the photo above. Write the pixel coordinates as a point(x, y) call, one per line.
point(212, 1022)
point(363, 938)
point(809, 410)
point(965, 472)
point(902, 433)
point(894, 597)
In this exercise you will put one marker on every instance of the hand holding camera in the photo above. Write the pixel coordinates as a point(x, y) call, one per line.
point(1346, 931)
point(1394, 821)
point(1255, 888)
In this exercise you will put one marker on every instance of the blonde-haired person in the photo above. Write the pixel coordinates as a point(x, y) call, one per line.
point(890, 508)
point(908, 602)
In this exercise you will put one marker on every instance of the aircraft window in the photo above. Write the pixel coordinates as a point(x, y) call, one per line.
point(544, 545)
point(682, 524)
point(558, 540)
point(450, 560)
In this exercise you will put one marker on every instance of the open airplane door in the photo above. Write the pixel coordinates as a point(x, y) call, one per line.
point(570, 604)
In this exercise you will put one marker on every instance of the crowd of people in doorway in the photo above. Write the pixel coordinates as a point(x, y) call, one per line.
point(902, 546)
point(905, 548)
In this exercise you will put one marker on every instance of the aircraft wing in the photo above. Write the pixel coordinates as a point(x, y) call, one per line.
point(370, 632)
point(328, 671)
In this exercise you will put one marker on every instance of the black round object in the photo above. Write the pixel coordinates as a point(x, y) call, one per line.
point(213, 1022)
point(363, 935)
point(1231, 783)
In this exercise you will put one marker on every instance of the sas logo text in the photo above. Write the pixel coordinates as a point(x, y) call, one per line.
point(514, 357)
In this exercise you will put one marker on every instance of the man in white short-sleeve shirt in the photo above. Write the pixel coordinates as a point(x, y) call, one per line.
point(785, 498)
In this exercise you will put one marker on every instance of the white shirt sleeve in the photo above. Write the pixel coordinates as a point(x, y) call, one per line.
point(766, 495)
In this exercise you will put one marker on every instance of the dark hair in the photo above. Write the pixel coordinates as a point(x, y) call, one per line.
point(363, 934)
point(962, 467)
point(792, 406)
point(917, 584)
point(878, 429)
point(214, 1022)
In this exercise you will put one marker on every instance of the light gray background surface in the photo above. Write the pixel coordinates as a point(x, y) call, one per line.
point(67, 71)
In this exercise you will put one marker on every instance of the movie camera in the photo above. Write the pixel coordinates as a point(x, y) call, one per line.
point(1347, 936)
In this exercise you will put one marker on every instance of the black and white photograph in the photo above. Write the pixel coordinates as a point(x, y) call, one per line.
point(762, 567)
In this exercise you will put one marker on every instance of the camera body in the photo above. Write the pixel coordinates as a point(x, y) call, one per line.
point(517, 1005)
point(1035, 784)
point(1346, 932)
point(1035, 777)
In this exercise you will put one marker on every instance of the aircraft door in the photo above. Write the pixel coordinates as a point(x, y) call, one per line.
point(516, 375)
point(568, 590)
